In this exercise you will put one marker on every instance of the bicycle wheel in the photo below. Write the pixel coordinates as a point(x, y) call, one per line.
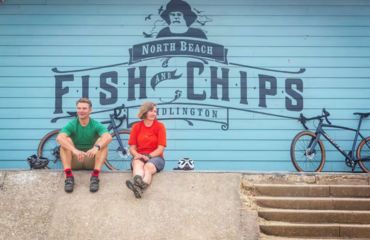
point(303, 159)
point(363, 150)
point(49, 148)
point(119, 158)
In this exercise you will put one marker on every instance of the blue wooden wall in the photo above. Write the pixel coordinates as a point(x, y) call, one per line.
point(329, 41)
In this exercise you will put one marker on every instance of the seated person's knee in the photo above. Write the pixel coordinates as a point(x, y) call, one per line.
point(150, 167)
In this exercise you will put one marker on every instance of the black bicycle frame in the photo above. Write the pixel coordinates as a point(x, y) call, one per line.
point(116, 132)
point(320, 131)
point(113, 126)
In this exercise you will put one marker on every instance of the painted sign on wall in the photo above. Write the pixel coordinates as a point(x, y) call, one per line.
point(206, 75)
point(229, 84)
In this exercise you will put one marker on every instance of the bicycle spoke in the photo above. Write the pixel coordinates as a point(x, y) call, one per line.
point(119, 158)
point(50, 149)
point(306, 159)
point(363, 154)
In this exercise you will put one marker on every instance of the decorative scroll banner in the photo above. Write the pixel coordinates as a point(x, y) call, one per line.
point(178, 47)
point(187, 112)
point(162, 76)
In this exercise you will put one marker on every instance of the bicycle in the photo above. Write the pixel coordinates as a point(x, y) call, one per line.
point(118, 152)
point(307, 151)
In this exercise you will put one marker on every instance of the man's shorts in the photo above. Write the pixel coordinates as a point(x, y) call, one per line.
point(86, 164)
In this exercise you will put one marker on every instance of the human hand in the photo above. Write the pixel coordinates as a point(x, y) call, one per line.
point(92, 152)
point(141, 157)
point(80, 155)
point(146, 157)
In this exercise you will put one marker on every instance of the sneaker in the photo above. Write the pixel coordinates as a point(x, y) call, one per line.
point(68, 184)
point(135, 189)
point(138, 181)
point(94, 184)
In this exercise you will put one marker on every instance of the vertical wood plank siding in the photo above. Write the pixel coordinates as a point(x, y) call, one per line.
point(329, 39)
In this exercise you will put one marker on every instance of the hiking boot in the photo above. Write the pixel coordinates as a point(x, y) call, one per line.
point(135, 189)
point(94, 184)
point(68, 184)
point(138, 181)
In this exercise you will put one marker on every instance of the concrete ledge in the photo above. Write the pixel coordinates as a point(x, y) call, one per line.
point(26, 204)
point(177, 206)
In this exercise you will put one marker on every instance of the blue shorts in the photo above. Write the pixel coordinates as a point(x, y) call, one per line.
point(158, 162)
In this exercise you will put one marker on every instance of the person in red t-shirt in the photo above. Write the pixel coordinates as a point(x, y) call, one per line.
point(147, 142)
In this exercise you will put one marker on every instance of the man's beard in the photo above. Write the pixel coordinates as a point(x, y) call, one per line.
point(178, 28)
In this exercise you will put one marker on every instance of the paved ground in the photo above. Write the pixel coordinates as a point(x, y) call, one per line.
point(179, 205)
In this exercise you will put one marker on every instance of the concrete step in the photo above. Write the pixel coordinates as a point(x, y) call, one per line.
point(315, 230)
point(320, 178)
point(350, 191)
point(304, 190)
point(332, 203)
point(267, 237)
point(316, 216)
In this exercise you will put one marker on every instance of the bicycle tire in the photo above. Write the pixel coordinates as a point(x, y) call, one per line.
point(362, 152)
point(298, 153)
point(49, 148)
point(117, 160)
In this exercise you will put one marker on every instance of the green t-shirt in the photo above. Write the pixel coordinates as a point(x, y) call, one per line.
point(84, 138)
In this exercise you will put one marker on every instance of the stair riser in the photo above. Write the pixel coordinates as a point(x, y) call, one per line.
point(292, 191)
point(309, 231)
point(315, 204)
point(309, 217)
point(353, 191)
point(358, 232)
point(312, 191)
point(290, 231)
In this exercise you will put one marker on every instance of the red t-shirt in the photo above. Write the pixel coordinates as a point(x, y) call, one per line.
point(146, 138)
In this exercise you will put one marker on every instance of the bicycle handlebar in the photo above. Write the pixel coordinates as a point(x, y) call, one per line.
point(117, 111)
point(302, 119)
point(115, 116)
point(325, 114)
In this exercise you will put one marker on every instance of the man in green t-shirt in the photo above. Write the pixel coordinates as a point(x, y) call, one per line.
point(83, 145)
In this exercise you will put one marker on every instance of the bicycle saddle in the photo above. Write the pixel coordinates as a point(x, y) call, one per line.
point(365, 115)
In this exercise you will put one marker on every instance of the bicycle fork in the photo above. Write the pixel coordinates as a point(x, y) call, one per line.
point(350, 160)
point(116, 133)
point(311, 146)
point(314, 141)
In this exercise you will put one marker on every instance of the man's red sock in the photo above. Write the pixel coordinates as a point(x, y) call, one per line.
point(95, 173)
point(68, 172)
